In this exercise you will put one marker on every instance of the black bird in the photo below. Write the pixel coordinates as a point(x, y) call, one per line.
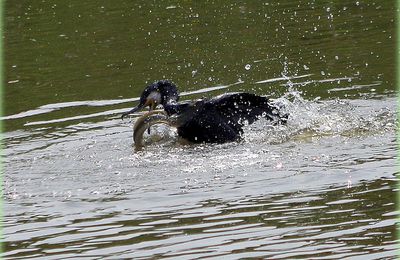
point(216, 120)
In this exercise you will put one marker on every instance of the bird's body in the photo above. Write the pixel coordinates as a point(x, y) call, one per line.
point(221, 119)
point(217, 120)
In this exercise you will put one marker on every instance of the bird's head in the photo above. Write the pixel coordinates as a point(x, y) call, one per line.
point(160, 92)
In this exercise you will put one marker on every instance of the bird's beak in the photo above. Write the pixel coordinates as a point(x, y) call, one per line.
point(149, 102)
point(133, 110)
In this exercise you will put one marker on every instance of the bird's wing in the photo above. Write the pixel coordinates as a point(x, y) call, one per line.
point(221, 119)
point(237, 108)
point(208, 126)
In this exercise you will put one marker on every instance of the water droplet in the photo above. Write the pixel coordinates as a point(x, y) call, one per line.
point(279, 165)
point(349, 184)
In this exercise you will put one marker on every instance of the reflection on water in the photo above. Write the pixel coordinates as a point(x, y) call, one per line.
point(323, 186)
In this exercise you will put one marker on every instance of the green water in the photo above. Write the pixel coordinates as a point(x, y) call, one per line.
point(59, 52)
point(322, 186)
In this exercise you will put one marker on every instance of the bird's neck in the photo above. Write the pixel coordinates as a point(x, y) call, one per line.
point(171, 106)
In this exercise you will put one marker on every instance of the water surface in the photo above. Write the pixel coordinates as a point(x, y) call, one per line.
point(322, 187)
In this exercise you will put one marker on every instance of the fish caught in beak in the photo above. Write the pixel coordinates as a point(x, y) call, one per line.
point(149, 98)
point(145, 122)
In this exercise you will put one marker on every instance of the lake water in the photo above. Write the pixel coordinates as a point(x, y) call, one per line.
point(321, 187)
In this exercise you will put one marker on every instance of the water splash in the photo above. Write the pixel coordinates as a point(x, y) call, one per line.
point(267, 146)
point(314, 118)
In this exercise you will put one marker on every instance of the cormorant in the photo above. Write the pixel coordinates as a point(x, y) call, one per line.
point(216, 120)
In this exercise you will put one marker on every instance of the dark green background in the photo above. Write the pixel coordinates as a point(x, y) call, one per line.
point(62, 51)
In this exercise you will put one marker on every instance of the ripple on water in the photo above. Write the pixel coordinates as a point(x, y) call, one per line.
point(276, 225)
point(283, 192)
